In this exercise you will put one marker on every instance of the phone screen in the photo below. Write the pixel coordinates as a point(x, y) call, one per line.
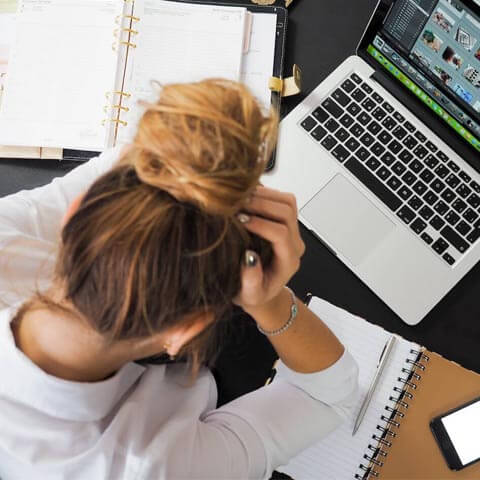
point(461, 426)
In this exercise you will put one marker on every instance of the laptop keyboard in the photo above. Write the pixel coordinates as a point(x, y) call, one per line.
point(427, 190)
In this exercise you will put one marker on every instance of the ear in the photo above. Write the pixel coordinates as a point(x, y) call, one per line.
point(176, 337)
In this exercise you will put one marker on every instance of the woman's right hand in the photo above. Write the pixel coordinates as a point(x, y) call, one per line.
point(272, 215)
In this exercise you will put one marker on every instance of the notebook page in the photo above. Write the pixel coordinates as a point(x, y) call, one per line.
point(60, 67)
point(179, 42)
point(258, 62)
point(337, 456)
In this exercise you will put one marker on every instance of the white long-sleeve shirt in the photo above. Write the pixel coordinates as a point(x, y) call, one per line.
point(143, 422)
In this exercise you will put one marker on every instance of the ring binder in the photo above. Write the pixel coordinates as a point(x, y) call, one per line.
point(114, 120)
point(120, 107)
point(118, 18)
point(117, 92)
point(390, 422)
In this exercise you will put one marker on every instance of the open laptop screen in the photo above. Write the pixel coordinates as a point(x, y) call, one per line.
point(433, 48)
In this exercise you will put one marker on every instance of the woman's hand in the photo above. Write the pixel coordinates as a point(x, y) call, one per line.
point(272, 215)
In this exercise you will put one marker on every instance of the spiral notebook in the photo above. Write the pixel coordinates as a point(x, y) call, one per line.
point(78, 67)
point(394, 440)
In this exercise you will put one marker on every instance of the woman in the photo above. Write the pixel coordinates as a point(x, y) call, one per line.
point(151, 257)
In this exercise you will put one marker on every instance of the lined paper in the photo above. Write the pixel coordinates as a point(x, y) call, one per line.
point(338, 456)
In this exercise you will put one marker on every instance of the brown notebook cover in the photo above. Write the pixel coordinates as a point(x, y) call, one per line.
point(414, 453)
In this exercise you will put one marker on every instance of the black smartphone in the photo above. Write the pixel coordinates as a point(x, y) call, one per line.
point(457, 434)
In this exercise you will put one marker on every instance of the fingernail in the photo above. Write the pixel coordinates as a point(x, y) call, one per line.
point(243, 217)
point(250, 258)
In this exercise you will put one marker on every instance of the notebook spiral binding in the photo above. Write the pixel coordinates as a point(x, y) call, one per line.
point(389, 422)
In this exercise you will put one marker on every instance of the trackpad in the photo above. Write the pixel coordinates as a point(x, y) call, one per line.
point(350, 223)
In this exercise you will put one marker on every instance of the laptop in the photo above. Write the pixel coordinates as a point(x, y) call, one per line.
point(384, 155)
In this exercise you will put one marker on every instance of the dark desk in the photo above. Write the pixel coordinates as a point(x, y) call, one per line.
point(320, 35)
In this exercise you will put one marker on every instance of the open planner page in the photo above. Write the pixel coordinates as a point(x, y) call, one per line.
point(61, 65)
point(178, 42)
point(339, 455)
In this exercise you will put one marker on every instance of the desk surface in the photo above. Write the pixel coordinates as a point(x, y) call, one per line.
point(320, 36)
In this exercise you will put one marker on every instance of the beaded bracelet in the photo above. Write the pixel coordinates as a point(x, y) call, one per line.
point(288, 324)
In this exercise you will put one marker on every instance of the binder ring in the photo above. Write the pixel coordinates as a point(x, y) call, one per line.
point(128, 44)
point(129, 30)
point(420, 354)
point(411, 373)
point(131, 17)
point(386, 431)
point(389, 421)
point(377, 451)
point(394, 411)
point(373, 460)
point(407, 382)
point(114, 120)
point(416, 364)
point(398, 401)
point(117, 92)
point(369, 470)
point(120, 107)
point(403, 393)
point(382, 440)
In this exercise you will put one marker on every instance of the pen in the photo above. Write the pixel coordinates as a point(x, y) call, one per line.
point(387, 350)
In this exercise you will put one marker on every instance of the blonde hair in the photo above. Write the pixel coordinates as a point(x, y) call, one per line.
point(157, 237)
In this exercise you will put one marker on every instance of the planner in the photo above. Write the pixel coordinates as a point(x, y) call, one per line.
point(78, 68)
point(394, 440)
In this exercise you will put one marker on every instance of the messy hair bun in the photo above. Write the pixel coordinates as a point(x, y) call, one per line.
point(205, 143)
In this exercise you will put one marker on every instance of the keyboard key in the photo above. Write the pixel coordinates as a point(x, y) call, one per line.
point(398, 168)
point(399, 117)
point(341, 97)
point(442, 171)
point(406, 214)
point(475, 186)
point(448, 258)
point(420, 188)
point(437, 223)
point(455, 239)
point(452, 218)
point(331, 107)
point(331, 125)
point(329, 142)
point(353, 109)
point(340, 153)
point(367, 88)
point(431, 146)
point(364, 118)
point(379, 114)
point(431, 161)
point(358, 95)
point(384, 137)
point(448, 195)
point(464, 176)
point(452, 180)
point(420, 136)
point(394, 146)
point(383, 173)
point(348, 85)
point(352, 144)
point(410, 142)
point(373, 184)
point(459, 205)
point(437, 186)
point(409, 178)
point(387, 158)
point(415, 202)
point(441, 208)
point(425, 212)
point(420, 151)
point(356, 78)
point(473, 200)
point(399, 132)
point(473, 235)
point(387, 107)
point(394, 182)
point(462, 227)
point(389, 123)
point(367, 139)
point(372, 163)
point(440, 245)
point(404, 192)
point(374, 127)
point(341, 134)
point(442, 156)
point(453, 166)
point(418, 226)
point(308, 123)
point(426, 238)
point(405, 156)
point(463, 190)
point(346, 120)
point(368, 104)
point(320, 114)
point(470, 215)
point(318, 133)
point(377, 149)
point(362, 154)
point(409, 126)
point(377, 97)
point(430, 198)
point(357, 130)
point(427, 176)
point(415, 166)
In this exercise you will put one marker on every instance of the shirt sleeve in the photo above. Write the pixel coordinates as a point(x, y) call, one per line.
point(30, 223)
